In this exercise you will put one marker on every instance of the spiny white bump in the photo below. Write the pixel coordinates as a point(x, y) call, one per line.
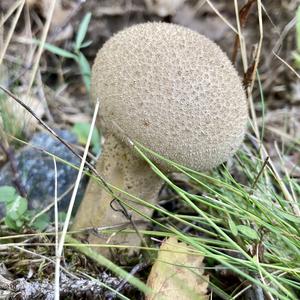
point(172, 90)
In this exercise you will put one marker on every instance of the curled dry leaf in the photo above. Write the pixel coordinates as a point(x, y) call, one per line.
point(177, 274)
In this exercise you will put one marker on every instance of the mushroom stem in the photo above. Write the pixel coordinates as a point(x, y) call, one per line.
point(122, 169)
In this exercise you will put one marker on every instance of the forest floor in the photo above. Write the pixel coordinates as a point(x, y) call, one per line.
point(255, 255)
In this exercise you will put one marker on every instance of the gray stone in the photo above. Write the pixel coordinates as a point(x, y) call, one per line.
point(36, 171)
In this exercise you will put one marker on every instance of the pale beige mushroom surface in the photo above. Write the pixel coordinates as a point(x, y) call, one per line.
point(173, 91)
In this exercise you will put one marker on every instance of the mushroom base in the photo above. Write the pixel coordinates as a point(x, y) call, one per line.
point(122, 169)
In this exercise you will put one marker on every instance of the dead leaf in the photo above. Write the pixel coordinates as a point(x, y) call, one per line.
point(209, 25)
point(177, 274)
point(60, 15)
point(163, 8)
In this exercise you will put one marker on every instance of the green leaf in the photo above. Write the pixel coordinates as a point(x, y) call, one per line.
point(61, 217)
point(81, 130)
point(232, 227)
point(85, 44)
point(296, 57)
point(16, 208)
point(82, 30)
point(7, 194)
point(59, 51)
point(247, 231)
point(19, 223)
point(28, 215)
point(10, 223)
point(289, 217)
point(85, 70)
point(41, 222)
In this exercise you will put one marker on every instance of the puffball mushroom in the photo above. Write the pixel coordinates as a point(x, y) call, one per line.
point(175, 92)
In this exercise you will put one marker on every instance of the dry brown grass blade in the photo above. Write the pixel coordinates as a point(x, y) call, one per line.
point(259, 47)
point(12, 28)
point(287, 65)
point(243, 16)
point(10, 12)
point(41, 45)
point(221, 16)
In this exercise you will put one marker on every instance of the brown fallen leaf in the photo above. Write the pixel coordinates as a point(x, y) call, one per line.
point(60, 16)
point(177, 274)
point(163, 8)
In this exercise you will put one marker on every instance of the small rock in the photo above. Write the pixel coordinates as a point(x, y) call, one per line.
point(36, 171)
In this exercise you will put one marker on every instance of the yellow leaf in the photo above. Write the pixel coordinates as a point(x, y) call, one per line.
point(177, 274)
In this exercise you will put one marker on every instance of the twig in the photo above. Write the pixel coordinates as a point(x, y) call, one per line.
point(260, 172)
point(221, 17)
point(70, 287)
point(136, 269)
point(287, 65)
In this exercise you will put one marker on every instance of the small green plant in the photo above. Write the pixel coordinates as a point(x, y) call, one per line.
point(81, 130)
point(76, 54)
point(17, 213)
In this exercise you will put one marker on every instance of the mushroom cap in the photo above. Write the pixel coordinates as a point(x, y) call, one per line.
point(172, 90)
